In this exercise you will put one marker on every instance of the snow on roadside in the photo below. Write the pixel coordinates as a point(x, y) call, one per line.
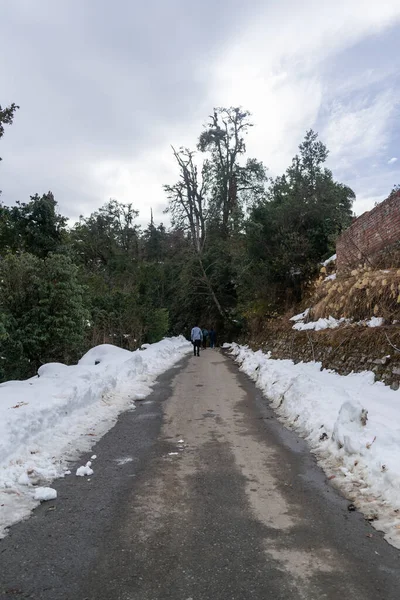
point(50, 419)
point(329, 260)
point(351, 423)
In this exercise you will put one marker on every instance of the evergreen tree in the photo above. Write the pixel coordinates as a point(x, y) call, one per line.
point(43, 314)
point(35, 227)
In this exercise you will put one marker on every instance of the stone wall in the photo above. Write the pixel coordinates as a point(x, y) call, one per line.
point(344, 350)
point(373, 239)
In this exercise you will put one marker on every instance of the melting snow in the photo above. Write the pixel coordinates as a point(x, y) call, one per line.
point(350, 422)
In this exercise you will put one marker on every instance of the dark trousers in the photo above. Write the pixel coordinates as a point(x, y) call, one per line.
point(196, 347)
point(204, 342)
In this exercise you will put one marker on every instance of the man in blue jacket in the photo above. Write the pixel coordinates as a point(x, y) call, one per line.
point(196, 338)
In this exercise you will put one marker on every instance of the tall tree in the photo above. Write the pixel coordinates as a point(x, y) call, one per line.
point(34, 227)
point(298, 222)
point(43, 313)
point(7, 117)
point(223, 137)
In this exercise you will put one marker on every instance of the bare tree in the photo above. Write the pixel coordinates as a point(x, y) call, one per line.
point(188, 207)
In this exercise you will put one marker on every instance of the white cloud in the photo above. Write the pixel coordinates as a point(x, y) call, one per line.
point(359, 128)
point(120, 118)
point(276, 69)
point(391, 161)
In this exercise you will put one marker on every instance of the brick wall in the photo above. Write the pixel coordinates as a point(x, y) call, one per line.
point(374, 238)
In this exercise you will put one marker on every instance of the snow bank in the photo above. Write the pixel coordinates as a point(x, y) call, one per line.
point(49, 419)
point(351, 423)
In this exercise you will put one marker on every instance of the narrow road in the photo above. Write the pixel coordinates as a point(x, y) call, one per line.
point(199, 494)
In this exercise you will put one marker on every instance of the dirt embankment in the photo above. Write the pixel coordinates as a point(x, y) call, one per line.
point(356, 296)
point(345, 349)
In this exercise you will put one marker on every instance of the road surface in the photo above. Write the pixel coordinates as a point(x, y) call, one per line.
point(237, 510)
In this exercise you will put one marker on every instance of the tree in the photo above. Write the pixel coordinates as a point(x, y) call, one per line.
point(35, 227)
point(223, 137)
point(109, 238)
point(43, 310)
point(6, 118)
point(207, 204)
point(298, 223)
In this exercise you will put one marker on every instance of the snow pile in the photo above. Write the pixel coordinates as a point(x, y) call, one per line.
point(331, 277)
point(84, 470)
point(43, 494)
point(301, 316)
point(48, 420)
point(351, 423)
point(375, 322)
point(329, 260)
point(329, 323)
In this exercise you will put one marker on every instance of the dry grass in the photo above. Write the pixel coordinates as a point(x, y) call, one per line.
point(360, 295)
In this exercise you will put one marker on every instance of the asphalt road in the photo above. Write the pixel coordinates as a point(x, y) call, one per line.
point(237, 510)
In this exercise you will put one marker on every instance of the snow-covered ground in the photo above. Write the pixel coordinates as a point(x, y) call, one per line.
point(351, 423)
point(48, 420)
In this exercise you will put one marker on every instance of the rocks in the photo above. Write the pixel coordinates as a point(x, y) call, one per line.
point(394, 386)
point(396, 371)
point(381, 361)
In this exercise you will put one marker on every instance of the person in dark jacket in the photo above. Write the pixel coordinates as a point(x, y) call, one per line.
point(213, 337)
point(205, 336)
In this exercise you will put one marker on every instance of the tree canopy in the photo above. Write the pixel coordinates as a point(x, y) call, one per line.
point(238, 242)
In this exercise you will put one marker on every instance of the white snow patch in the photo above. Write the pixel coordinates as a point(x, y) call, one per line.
point(331, 277)
point(84, 471)
point(351, 423)
point(375, 322)
point(43, 494)
point(49, 420)
point(329, 323)
point(329, 260)
point(392, 160)
point(301, 316)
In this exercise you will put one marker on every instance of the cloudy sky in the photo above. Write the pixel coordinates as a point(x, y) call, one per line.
point(105, 87)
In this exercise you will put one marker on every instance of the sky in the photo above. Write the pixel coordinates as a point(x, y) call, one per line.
point(105, 88)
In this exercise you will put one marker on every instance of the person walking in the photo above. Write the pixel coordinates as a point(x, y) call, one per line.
point(205, 336)
point(196, 337)
point(213, 337)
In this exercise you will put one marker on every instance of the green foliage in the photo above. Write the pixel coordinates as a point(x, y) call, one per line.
point(35, 227)
point(298, 222)
point(157, 324)
point(42, 313)
point(7, 116)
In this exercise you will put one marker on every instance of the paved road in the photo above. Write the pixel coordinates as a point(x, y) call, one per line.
point(236, 511)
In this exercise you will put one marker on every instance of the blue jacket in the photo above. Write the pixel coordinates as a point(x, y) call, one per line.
point(196, 334)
